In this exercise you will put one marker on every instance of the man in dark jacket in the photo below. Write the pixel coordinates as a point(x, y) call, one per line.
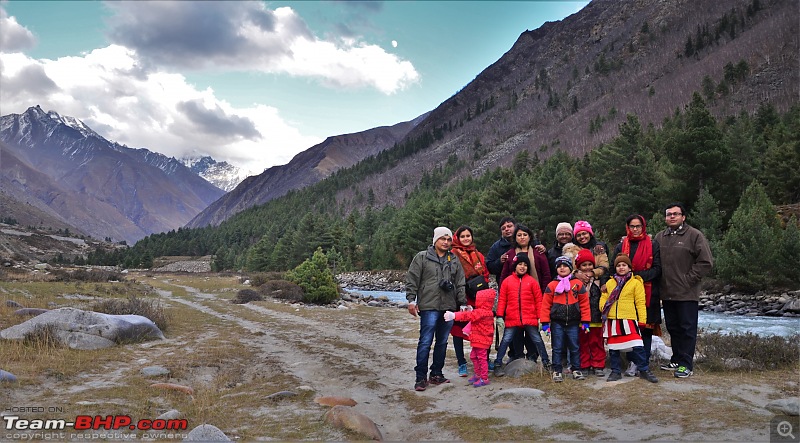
point(685, 260)
point(497, 253)
point(434, 284)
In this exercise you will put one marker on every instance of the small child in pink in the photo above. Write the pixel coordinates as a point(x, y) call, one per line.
point(481, 335)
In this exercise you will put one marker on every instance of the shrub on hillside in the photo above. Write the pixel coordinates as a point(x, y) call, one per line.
point(260, 278)
point(133, 305)
point(84, 275)
point(316, 279)
point(282, 289)
point(246, 296)
point(733, 351)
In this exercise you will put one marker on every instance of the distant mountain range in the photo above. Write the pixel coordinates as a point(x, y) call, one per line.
point(565, 86)
point(220, 174)
point(56, 168)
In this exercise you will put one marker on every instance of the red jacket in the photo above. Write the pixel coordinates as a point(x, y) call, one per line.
point(482, 319)
point(519, 301)
point(552, 302)
point(539, 262)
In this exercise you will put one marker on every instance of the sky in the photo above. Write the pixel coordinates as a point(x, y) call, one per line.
point(253, 82)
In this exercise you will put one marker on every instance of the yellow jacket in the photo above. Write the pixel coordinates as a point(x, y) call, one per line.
point(631, 304)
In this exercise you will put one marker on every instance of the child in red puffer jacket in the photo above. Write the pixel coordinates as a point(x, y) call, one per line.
point(481, 333)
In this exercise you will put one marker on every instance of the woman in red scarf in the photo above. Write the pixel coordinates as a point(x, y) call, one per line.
point(646, 263)
point(474, 264)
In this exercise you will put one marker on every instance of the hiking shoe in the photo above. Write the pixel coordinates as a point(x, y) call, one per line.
point(614, 376)
point(670, 366)
point(631, 372)
point(558, 377)
point(648, 375)
point(601, 372)
point(421, 385)
point(480, 383)
point(491, 365)
point(462, 370)
point(578, 375)
point(547, 366)
point(591, 371)
point(438, 380)
point(473, 379)
point(682, 372)
point(498, 370)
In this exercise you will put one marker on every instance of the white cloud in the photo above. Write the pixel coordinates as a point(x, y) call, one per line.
point(248, 36)
point(13, 36)
point(124, 101)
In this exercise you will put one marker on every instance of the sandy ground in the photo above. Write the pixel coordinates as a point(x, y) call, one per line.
point(367, 354)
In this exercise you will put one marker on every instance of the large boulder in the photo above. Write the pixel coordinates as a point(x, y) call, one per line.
point(89, 330)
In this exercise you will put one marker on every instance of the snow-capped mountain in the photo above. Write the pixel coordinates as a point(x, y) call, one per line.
point(61, 166)
point(221, 174)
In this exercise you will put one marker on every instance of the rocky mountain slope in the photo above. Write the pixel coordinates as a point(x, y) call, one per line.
point(64, 169)
point(306, 168)
point(220, 174)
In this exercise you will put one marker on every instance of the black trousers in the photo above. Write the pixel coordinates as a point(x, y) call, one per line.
point(681, 320)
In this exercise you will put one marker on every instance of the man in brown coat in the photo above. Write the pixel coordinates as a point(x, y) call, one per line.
point(685, 260)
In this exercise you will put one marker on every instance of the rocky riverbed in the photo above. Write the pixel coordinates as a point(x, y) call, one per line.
point(725, 301)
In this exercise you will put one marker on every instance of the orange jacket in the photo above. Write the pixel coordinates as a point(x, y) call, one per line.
point(556, 306)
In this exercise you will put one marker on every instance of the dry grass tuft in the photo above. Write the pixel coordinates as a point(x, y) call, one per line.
point(43, 337)
point(770, 352)
point(246, 296)
point(282, 289)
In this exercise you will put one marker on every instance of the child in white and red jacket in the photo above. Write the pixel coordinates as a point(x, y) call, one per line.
point(481, 334)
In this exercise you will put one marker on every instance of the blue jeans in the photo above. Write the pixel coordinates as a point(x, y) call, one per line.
point(508, 337)
point(562, 335)
point(431, 325)
point(637, 356)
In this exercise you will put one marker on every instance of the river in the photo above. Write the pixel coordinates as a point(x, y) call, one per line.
point(760, 325)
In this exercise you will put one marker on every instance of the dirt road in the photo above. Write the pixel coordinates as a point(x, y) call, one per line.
point(236, 356)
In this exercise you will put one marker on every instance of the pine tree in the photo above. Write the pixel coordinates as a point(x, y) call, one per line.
point(747, 256)
point(316, 279)
point(786, 270)
point(707, 217)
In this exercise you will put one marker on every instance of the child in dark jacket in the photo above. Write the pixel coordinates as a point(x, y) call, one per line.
point(565, 310)
point(481, 333)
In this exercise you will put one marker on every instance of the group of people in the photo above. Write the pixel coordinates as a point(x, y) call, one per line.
point(592, 301)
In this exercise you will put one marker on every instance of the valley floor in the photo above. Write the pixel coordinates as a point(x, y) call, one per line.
point(235, 356)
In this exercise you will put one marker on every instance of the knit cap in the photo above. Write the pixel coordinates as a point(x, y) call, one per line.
point(622, 258)
point(564, 260)
point(522, 257)
point(563, 227)
point(581, 226)
point(583, 256)
point(440, 232)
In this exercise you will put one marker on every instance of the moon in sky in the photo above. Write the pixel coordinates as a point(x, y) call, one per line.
point(394, 43)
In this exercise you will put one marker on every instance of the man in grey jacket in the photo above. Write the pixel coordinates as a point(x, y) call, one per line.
point(685, 260)
point(434, 284)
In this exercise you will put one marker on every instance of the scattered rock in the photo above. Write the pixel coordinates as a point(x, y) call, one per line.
point(519, 392)
point(89, 330)
point(659, 349)
point(280, 395)
point(13, 304)
point(334, 401)
point(154, 371)
point(785, 406)
point(792, 306)
point(206, 433)
point(520, 367)
point(32, 312)
point(344, 417)
point(6, 376)
point(172, 414)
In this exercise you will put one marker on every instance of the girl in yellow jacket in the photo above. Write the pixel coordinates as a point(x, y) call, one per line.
point(623, 310)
